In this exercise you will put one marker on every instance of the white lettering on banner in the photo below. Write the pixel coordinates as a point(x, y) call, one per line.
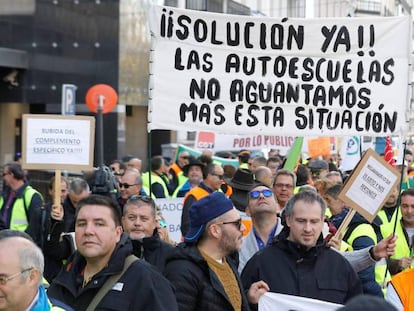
point(307, 77)
point(273, 301)
point(219, 142)
point(171, 209)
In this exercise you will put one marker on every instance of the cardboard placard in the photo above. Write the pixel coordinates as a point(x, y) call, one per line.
point(55, 142)
point(369, 185)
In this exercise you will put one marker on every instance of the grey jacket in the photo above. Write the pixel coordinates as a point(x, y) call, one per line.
point(250, 247)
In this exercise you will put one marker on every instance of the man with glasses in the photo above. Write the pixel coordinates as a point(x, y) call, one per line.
point(298, 263)
point(130, 185)
point(21, 268)
point(104, 260)
point(212, 180)
point(263, 210)
point(139, 222)
point(203, 274)
point(284, 184)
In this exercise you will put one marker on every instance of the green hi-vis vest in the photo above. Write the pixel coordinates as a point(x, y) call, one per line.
point(154, 179)
point(19, 215)
point(382, 275)
point(402, 248)
point(387, 226)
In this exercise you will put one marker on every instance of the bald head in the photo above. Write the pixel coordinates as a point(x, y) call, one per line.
point(135, 163)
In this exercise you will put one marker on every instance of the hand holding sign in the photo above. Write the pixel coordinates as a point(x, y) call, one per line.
point(368, 187)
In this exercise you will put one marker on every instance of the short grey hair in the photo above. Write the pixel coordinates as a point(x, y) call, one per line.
point(286, 173)
point(30, 255)
point(78, 185)
point(307, 197)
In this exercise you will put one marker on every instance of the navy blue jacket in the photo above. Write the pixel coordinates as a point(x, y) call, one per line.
point(288, 268)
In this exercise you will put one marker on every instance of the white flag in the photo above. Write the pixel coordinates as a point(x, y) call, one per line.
point(273, 301)
point(350, 152)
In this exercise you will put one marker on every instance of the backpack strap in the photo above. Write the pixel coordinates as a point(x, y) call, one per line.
point(110, 282)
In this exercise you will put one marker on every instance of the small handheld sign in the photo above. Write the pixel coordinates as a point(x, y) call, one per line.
point(368, 187)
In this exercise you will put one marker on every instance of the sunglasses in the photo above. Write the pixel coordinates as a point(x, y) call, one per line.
point(125, 185)
point(256, 193)
point(142, 198)
point(236, 223)
point(219, 176)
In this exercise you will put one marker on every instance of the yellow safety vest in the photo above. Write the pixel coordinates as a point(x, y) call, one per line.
point(402, 248)
point(18, 217)
point(154, 179)
point(387, 226)
point(381, 266)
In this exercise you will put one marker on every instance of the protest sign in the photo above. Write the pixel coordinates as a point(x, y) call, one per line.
point(369, 185)
point(301, 77)
point(281, 302)
point(58, 142)
point(228, 142)
point(172, 209)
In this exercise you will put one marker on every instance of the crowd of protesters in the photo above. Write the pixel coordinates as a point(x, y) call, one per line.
point(247, 229)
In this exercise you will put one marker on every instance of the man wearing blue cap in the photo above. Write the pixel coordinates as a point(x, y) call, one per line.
point(203, 274)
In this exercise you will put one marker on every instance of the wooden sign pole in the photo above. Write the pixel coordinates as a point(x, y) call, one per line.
point(345, 222)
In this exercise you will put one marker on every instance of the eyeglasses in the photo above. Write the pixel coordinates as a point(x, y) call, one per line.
point(287, 186)
point(237, 223)
point(125, 185)
point(219, 176)
point(256, 193)
point(185, 158)
point(4, 174)
point(5, 279)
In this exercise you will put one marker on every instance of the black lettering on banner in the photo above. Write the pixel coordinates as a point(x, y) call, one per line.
point(212, 91)
point(324, 92)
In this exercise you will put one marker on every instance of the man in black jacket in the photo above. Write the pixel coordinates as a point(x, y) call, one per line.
point(203, 274)
point(298, 263)
point(140, 223)
point(102, 252)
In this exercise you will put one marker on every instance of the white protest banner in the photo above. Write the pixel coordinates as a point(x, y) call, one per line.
point(220, 142)
point(238, 74)
point(58, 142)
point(369, 185)
point(172, 209)
point(273, 301)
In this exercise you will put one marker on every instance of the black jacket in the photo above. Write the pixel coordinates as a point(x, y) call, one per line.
point(288, 268)
point(140, 288)
point(153, 250)
point(198, 288)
